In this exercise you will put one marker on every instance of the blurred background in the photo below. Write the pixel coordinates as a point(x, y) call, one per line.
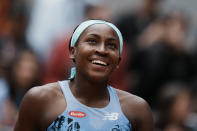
point(159, 59)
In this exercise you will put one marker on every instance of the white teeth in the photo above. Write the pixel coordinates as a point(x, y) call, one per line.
point(99, 62)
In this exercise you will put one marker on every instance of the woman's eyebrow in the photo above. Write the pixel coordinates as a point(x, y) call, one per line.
point(96, 35)
point(92, 34)
point(113, 39)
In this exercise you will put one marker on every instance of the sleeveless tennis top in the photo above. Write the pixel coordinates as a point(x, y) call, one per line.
point(79, 117)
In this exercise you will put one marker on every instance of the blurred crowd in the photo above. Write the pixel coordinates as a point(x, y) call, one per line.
point(157, 63)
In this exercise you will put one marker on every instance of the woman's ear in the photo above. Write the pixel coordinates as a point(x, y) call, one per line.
point(72, 53)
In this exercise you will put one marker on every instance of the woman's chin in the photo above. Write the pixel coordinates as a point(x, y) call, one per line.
point(99, 77)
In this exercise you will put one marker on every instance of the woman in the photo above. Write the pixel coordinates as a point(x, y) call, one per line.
point(86, 102)
point(174, 107)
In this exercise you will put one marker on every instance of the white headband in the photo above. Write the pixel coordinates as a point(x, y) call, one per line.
point(84, 25)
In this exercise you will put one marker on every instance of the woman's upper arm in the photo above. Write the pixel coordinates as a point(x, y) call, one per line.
point(138, 113)
point(145, 118)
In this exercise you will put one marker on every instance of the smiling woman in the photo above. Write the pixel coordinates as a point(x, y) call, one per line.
point(86, 101)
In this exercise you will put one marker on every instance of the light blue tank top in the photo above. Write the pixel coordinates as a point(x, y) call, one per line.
point(79, 117)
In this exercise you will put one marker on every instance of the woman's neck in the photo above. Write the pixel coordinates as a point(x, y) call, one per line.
point(88, 89)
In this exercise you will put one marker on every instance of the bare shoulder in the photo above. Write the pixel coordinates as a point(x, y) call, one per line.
point(43, 92)
point(137, 110)
point(128, 99)
point(37, 102)
point(40, 95)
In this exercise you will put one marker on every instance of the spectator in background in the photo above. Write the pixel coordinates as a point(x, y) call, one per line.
point(133, 24)
point(24, 74)
point(161, 56)
point(12, 37)
point(174, 107)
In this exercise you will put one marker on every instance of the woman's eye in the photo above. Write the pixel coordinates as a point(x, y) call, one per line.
point(112, 46)
point(93, 41)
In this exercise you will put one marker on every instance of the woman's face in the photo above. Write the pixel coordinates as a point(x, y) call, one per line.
point(181, 107)
point(97, 52)
point(26, 70)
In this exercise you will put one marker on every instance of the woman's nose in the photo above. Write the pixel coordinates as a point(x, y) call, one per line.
point(101, 49)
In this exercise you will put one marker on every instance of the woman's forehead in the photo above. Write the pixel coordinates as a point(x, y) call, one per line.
point(100, 29)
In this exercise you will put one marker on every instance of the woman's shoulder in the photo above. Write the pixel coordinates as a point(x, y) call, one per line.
point(136, 109)
point(44, 92)
point(130, 99)
point(39, 106)
point(40, 96)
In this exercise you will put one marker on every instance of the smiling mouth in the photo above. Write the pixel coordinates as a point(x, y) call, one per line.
point(99, 62)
